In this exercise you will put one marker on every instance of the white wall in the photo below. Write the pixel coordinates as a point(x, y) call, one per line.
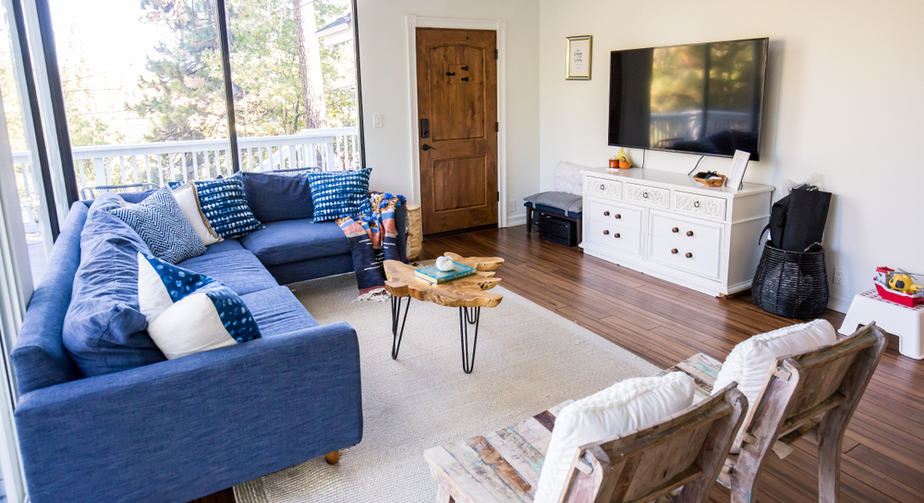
point(845, 101)
point(384, 64)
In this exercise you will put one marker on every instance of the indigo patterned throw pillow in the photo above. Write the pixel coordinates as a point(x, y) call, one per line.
point(163, 226)
point(188, 312)
point(225, 207)
point(337, 194)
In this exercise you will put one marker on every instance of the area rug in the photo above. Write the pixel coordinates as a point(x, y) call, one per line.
point(528, 359)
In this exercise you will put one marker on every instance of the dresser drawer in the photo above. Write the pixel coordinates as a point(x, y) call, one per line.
point(613, 214)
point(652, 196)
point(602, 187)
point(700, 205)
point(699, 260)
point(686, 233)
point(612, 237)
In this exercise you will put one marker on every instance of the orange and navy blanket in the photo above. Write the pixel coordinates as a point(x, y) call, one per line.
point(373, 238)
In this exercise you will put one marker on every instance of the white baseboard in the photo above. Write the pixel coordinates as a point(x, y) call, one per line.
point(839, 303)
point(516, 219)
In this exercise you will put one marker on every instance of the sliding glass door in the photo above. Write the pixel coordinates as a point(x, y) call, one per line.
point(145, 94)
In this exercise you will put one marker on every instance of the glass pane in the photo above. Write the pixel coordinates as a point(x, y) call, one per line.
point(293, 67)
point(143, 90)
point(22, 140)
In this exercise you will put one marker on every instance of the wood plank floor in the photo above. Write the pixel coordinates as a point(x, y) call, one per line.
point(663, 323)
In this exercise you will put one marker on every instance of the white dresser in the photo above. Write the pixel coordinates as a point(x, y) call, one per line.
point(666, 225)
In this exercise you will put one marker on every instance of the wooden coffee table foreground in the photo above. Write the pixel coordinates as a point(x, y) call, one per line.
point(469, 294)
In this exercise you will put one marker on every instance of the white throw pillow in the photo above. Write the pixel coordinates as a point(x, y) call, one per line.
point(751, 361)
point(623, 408)
point(188, 312)
point(188, 199)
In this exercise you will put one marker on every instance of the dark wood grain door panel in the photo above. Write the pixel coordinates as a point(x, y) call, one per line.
point(457, 95)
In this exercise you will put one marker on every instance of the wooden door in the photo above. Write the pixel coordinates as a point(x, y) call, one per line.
point(457, 124)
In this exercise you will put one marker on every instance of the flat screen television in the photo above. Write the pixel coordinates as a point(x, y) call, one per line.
point(698, 98)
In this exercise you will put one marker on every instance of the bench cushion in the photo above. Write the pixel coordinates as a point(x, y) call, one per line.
point(570, 204)
point(288, 241)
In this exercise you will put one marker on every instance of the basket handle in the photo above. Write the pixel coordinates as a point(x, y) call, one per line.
point(811, 245)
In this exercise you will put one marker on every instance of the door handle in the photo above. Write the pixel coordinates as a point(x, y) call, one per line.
point(426, 147)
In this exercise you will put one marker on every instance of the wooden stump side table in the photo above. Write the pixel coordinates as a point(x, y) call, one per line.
point(469, 294)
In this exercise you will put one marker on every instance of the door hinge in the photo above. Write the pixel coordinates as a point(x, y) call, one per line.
point(495, 54)
point(497, 126)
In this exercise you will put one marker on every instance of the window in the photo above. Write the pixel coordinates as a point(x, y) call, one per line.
point(145, 95)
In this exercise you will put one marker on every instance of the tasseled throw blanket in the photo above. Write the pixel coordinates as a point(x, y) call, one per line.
point(373, 238)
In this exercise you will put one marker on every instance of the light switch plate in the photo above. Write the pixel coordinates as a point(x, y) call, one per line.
point(378, 120)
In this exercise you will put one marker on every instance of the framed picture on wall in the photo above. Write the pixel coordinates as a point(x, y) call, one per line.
point(580, 52)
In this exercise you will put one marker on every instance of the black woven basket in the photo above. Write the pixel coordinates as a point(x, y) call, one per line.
point(790, 283)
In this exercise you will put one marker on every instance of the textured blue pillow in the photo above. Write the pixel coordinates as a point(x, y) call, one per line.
point(225, 207)
point(188, 312)
point(104, 330)
point(337, 194)
point(163, 226)
point(278, 196)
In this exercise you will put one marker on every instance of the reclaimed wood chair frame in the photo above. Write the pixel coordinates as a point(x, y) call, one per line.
point(687, 449)
point(810, 393)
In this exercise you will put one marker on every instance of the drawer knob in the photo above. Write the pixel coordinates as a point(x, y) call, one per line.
point(690, 234)
point(675, 230)
point(674, 251)
point(617, 216)
point(606, 232)
point(617, 235)
point(696, 204)
point(688, 255)
point(602, 187)
point(645, 195)
point(606, 213)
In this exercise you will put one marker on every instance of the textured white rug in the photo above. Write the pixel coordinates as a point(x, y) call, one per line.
point(528, 359)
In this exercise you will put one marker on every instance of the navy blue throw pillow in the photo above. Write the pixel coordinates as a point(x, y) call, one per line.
point(225, 207)
point(278, 196)
point(337, 194)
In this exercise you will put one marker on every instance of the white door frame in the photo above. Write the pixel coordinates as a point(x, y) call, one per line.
point(500, 27)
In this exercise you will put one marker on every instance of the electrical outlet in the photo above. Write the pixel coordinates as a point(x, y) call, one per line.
point(378, 120)
point(838, 276)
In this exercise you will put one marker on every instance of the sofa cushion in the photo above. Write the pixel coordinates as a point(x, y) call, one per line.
point(624, 407)
point(223, 246)
point(104, 330)
point(289, 241)
point(278, 196)
point(278, 311)
point(163, 226)
point(189, 312)
point(337, 194)
point(239, 270)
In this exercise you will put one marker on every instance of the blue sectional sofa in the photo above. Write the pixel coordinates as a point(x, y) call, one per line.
point(181, 429)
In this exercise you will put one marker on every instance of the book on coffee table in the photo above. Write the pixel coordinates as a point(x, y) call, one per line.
point(432, 275)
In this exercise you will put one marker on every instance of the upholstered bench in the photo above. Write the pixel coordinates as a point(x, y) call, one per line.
point(557, 213)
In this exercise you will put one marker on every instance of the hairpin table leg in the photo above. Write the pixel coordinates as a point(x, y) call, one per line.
point(468, 317)
point(395, 318)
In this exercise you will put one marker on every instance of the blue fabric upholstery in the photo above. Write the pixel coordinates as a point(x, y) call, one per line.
point(181, 429)
point(278, 196)
point(568, 204)
point(337, 194)
point(163, 226)
point(224, 245)
point(296, 240)
point(39, 358)
point(239, 270)
point(277, 311)
point(294, 272)
point(549, 209)
point(104, 330)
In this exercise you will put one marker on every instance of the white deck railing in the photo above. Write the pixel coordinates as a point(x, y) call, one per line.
point(158, 163)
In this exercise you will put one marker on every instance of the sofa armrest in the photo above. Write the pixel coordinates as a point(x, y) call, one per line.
point(184, 428)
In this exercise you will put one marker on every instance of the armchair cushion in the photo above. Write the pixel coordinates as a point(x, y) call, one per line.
point(624, 407)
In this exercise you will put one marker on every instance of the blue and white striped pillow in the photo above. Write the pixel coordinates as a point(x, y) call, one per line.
point(337, 194)
point(225, 207)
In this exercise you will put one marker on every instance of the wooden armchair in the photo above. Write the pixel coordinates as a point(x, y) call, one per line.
point(686, 450)
point(811, 393)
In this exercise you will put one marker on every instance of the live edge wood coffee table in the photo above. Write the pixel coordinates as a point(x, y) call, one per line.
point(469, 294)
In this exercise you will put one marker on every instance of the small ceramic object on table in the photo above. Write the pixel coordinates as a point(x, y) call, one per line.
point(445, 264)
